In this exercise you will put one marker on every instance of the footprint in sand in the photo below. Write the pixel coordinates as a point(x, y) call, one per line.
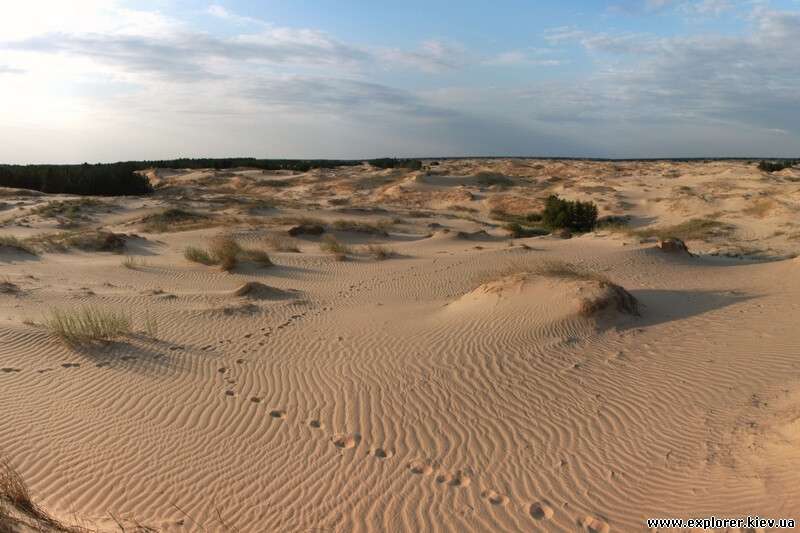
point(541, 511)
point(277, 413)
point(458, 480)
point(595, 525)
point(71, 365)
point(229, 393)
point(420, 468)
point(346, 442)
point(316, 424)
point(255, 399)
point(495, 498)
point(10, 370)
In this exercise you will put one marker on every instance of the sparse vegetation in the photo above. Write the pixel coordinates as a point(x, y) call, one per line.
point(226, 252)
point(333, 246)
point(198, 255)
point(88, 241)
point(774, 166)
point(390, 162)
point(174, 219)
point(380, 252)
point(488, 179)
point(378, 228)
point(573, 215)
point(279, 243)
point(518, 231)
point(693, 229)
point(18, 511)
point(10, 242)
point(88, 324)
point(132, 263)
point(70, 209)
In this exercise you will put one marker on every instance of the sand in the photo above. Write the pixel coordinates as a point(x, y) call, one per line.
point(450, 387)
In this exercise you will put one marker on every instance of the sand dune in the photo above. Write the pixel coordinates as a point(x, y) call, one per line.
point(458, 385)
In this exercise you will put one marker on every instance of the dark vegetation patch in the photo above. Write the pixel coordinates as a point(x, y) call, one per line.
point(774, 166)
point(174, 219)
point(390, 162)
point(573, 215)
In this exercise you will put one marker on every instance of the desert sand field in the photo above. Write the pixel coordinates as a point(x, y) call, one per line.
point(422, 370)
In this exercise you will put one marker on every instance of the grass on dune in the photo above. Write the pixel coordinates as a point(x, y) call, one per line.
point(225, 251)
point(16, 244)
point(88, 324)
point(333, 246)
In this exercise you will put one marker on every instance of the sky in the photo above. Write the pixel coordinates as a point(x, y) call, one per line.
point(115, 80)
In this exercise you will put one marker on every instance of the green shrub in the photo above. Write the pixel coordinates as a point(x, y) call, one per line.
point(573, 215)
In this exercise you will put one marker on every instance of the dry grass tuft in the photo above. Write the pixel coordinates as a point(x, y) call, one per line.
point(279, 243)
point(88, 241)
point(13, 243)
point(18, 512)
point(693, 229)
point(359, 226)
point(380, 252)
point(332, 245)
point(174, 219)
point(225, 250)
point(88, 324)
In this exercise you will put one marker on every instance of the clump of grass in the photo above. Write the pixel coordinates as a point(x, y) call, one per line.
point(297, 221)
point(332, 245)
point(71, 209)
point(88, 241)
point(519, 231)
point(359, 226)
point(279, 243)
point(173, 219)
point(257, 256)
point(565, 270)
point(18, 245)
point(380, 252)
point(226, 252)
point(133, 263)
point(88, 324)
point(693, 229)
point(198, 255)
point(526, 219)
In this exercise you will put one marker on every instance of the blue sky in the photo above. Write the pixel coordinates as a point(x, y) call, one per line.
point(106, 80)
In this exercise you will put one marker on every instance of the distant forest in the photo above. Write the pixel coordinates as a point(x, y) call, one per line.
point(115, 179)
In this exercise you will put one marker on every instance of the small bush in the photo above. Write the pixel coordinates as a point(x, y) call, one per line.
point(88, 324)
point(572, 215)
point(332, 246)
